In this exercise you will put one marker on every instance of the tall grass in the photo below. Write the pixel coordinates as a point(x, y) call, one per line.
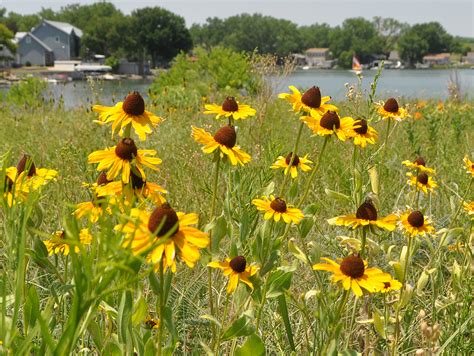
point(96, 301)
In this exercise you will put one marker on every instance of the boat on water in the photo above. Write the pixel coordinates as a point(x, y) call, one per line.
point(356, 66)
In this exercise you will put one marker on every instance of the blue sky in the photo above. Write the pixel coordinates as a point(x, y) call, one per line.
point(457, 16)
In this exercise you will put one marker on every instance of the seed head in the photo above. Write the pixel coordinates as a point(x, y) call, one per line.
point(238, 264)
point(391, 105)
point(102, 179)
point(134, 104)
point(353, 266)
point(330, 120)
point(279, 205)
point(366, 211)
point(226, 136)
point(416, 219)
point(420, 161)
point(363, 126)
point(296, 159)
point(26, 162)
point(126, 149)
point(422, 178)
point(312, 97)
point(163, 221)
point(230, 105)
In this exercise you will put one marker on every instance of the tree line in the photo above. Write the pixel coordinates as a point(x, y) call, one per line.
point(159, 35)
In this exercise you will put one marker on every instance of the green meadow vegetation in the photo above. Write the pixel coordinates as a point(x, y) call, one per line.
point(104, 298)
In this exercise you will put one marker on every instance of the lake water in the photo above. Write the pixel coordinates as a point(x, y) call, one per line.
point(407, 83)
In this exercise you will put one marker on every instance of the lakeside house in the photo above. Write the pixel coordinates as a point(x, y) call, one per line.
point(48, 42)
point(317, 57)
point(469, 58)
point(437, 59)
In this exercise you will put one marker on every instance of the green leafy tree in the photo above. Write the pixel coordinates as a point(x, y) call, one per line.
point(358, 36)
point(316, 35)
point(390, 30)
point(6, 37)
point(249, 33)
point(21, 23)
point(412, 47)
point(159, 33)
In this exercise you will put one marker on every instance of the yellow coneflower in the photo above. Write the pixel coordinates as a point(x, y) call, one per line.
point(421, 104)
point(58, 244)
point(363, 134)
point(366, 215)
point(298, 162)
point(237, 270)
point(414, 223)
point(469, 165)
point(138, 187)
point(95, 208)
point(391, 285)
point(418, 115)
point(120, 158)
point(277, 209)
point(151, 323)
point(330, 123)
point(391, 110)
point(422, 182)
point(469, 208)
point(420, 165)
point(310, 102)
point(26, 176)
point(129, 112)
point(354, 274)
point(167, 233)
point(225, 140)
point(230, 107)
point(440, 106)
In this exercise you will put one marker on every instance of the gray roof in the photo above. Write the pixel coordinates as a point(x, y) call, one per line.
point(36, 39)
point(65, 27)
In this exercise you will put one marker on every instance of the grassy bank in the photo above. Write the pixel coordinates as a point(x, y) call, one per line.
point(98, 299)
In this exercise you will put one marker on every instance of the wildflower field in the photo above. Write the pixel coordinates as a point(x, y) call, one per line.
point(249, 224)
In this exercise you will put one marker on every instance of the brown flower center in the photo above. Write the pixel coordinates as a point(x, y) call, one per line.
point(386, 284)
point(102, 179)
point(126, 149)
point(230, 105)
point(136, 180)
point(353, 266)
point(312, 97)
point(134, 104)
point(391, 105)
point(278, 205)
point(238, 264)
point(422, 178)
point(296, 159)
point(420, 161)
point(26, 162)
point(330, 121)
point(363, 126)
point(163, 221)
point(366, 211)
point(416, 219)
point(226, 136)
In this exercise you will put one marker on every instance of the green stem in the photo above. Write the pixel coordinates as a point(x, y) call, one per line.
point(363, 242)
point(224, 318)
point(127, 131)
point(337, 317)
point(313, 174)
point(295, 149)
point(211, 248)
point(161, 299)
point(389, 122)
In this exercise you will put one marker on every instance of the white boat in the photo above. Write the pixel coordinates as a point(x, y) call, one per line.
point(305, 67)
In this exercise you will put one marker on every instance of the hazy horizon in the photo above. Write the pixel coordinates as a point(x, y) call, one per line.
point(302, 12)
